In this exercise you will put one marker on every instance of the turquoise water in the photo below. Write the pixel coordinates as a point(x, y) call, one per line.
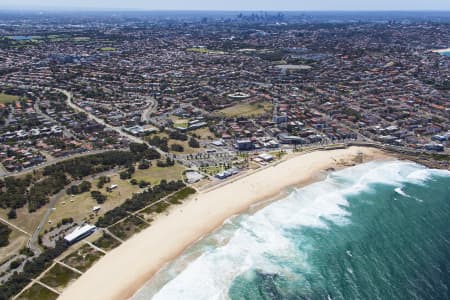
point(380, 230)
point(446, 53)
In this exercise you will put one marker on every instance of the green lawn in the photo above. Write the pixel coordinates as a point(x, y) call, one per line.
point(106, 242)
point(17, 241)
point(83, 258)
point(6, 99)
point(37, 292)
point(81, 39)
point(246, 109)
point(80, 206)
point(179, 196)
point(128, 227)
point(108, 49)
point(58, 277)
point(199, 50)
point(155, 174)
point(179, 122)
point(212, 170)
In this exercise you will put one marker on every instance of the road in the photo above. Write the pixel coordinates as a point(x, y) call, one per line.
point(37, 109)
point(3, 171)
point(153, 105)
point(33, 242)
point(101, 121)
point(56, 160)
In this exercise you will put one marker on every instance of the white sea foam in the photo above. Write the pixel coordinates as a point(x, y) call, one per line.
point(401, 192)
point(261, 241)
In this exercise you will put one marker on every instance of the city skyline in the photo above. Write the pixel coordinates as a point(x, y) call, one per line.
point(232, 5)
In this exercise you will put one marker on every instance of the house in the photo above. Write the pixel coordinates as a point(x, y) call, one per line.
point(244, 144)
point(80, 233)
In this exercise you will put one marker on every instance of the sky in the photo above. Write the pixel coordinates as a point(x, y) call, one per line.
point(257, 5)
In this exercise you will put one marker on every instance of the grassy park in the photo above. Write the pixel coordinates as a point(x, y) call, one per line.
point(246, 109)
point(155, 174)
point(37, 291)
point(6, 99)
point(83, 258)
point(79, 207)
point(58, 277)
point(108, 49)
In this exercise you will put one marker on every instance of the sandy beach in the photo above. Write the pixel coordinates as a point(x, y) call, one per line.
point(441, 50)
point(120, 273)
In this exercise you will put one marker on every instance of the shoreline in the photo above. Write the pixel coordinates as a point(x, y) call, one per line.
point(126, 269)
point(441, 50)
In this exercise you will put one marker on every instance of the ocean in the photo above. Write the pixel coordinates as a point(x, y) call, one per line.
point(379, 230)
point(446, 53)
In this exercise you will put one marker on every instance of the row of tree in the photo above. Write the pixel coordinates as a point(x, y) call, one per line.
point(5, 231)
point(139, 201)
point(83, 187)
point(31, 270)
point(16, 192)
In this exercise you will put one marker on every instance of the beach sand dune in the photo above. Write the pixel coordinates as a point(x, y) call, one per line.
point(120, 273)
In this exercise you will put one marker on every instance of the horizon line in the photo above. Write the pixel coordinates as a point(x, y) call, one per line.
point(97, 9)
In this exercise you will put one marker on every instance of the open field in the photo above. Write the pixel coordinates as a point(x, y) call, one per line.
point(17, 241)
point(155, 209)
point(81, 39)
point(179, 122)
point(79, 207)
point(106, 242)
point(246, 109)
point(198, 50)
point(37, 292)
point(181, 195)
point(185, 144)
point(58, 277)
point(186, 148)
point(212, 170)
point(5, 98)
point(25, 220)
point(108, 49)
point(155, 174)
point(83, 258)
point(204, 51)
point(128, 227)
point(204, 133)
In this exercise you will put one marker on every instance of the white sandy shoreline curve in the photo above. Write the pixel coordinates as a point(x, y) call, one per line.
point(441, 50)
point(125, 269)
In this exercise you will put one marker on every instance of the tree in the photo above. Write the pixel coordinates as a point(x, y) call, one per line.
point(178, 136)
point(85, 186)
point(144, 164)
point(98, 196)
point(12, 214)
point(138, 148)
point(177, 148)
point(143, 184)
point(124, 175)
point(102, 180)
point(15, 264)
point(131, 170)
point(4, 235)
point(193, 143)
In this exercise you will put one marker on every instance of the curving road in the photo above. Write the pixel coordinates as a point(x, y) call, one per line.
point(54, 161)
point(101, 121)
point(153, 105)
